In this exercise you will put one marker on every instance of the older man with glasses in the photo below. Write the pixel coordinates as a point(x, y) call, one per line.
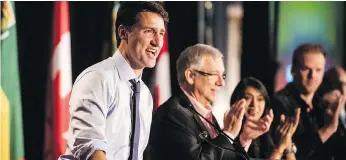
point(184, 126)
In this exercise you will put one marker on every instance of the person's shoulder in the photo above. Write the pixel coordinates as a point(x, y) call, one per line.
point(281, 99)
point(169, 105)
point(172, 113)
point(173, 108)
point(282, 94)
point(103, 70)
point(285, 100)
point(105, 67)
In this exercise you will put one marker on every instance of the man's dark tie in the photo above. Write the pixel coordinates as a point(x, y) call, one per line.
point(134, 141)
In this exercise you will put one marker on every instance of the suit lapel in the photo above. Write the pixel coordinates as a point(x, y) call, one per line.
point(200, 123)
point(217, 125)
point(185, 102)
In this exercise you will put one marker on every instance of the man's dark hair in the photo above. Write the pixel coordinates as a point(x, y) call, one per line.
point(129, 12)
point(305, 48)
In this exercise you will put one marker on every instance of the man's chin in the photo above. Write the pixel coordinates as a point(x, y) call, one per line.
point(310, 90)
point(151, 65)
point(212, 99)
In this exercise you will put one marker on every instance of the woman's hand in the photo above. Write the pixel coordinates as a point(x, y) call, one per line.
point(255, 128)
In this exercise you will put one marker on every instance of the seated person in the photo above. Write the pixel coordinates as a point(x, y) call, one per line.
point(332, 90)
point(184, 127)
point(257, 121)
point(315, 126)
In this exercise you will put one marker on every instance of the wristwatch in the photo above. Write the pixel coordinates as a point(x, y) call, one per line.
point(292, 150)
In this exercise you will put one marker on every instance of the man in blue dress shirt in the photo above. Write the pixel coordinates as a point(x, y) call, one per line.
point(101, 122)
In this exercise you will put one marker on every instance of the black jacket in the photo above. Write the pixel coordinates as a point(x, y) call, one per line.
point(306, 136)
point(175, 135)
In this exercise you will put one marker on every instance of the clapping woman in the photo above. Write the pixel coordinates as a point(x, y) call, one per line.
point(254, 135)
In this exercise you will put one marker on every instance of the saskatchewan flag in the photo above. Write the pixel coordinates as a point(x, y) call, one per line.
point(11, 134)
point(114, 18)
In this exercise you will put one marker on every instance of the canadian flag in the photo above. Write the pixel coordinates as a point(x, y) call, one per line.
point(162, 80)
point(59, 84)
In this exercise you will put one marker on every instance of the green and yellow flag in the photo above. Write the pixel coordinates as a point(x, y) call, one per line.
point(11, 134)
point(114, 17)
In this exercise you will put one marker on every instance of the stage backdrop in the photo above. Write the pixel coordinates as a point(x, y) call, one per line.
point(299, 22)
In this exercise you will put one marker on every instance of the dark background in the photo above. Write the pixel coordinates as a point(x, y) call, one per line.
point(91, 30)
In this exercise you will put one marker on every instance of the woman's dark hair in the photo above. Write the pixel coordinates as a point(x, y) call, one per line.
point(330, 82)
point(239, 91)
point(129, 11)
point(262, 146)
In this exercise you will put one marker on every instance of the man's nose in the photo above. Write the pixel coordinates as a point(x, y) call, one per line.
point(220, 81)
point(311, 74)
point(157, 40)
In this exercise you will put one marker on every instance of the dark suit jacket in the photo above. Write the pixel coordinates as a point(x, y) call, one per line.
point(306, 137)
point(175, 135)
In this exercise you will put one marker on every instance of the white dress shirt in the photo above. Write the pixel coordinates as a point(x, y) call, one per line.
point(100, 111)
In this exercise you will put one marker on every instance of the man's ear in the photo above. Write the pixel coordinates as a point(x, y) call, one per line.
point(190, 77)
point(122, 32)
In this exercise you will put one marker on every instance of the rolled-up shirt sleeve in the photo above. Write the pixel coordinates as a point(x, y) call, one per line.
point(89, 105)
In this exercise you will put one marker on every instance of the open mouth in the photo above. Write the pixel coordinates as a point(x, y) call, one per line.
point(251, 112)
point(152, 52)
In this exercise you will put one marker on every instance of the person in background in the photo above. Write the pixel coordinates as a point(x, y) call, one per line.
point(257, 122)
point(331, 90)
point(110, 106)
point(315, 126)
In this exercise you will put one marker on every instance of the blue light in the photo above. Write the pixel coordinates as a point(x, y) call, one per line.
point(288, 75)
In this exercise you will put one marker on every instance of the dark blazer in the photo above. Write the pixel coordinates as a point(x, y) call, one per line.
point(306, 137)
point(261, 147)
point(175, 135)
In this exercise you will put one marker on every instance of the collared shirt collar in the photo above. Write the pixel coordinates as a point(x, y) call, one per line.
point(205, 111)
point(125, 71)
point(293, 91)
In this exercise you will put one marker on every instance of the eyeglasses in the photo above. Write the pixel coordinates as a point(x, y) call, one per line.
point(212, 75)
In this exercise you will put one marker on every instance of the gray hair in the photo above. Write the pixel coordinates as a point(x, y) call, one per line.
point(191, 58)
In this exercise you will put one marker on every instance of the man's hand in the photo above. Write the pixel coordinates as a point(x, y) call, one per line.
point(285, 131)
point(255, 128)
point(233, 118)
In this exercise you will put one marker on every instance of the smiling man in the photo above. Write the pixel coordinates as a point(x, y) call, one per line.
point(110, 106)
point(184, 126)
